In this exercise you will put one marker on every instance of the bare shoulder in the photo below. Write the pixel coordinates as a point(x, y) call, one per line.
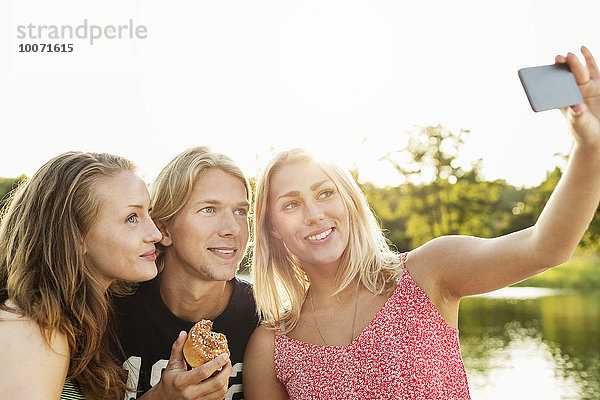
point(423, 262)
point(433, 257)
point(429, 265)
point(263, 335)
point(260, 380)
point(260, 348)
point(26, 353)
point(26, 334)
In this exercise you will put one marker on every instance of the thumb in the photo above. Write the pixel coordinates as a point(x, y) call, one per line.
point(582, 121)
point(577, 109)
point(176, 361)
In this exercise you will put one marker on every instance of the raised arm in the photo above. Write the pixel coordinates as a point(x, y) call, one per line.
point(453, 266)
point(259, 378)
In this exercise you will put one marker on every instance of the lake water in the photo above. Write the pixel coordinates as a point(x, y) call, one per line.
point(532, 343)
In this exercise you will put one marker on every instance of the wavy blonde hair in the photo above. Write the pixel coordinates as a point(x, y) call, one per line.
point(45, 273)
point(280, 283)
point(174, 184)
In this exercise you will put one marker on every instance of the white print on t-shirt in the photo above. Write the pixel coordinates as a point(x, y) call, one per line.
point(133, 364)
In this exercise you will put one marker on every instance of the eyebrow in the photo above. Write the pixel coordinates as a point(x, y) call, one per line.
point(136, 206)
point(295, 193)
point(217, 202)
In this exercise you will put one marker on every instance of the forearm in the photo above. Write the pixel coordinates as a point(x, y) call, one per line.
point(570, 209)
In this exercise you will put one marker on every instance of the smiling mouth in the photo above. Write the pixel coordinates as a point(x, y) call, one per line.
point(151, 255)
point(321, 235)
point(222, 251)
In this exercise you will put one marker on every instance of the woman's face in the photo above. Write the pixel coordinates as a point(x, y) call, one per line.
point(307, 213)
point(120, 244)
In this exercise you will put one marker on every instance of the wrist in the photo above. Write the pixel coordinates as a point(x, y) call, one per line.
point(152, 394)
point(587, 150)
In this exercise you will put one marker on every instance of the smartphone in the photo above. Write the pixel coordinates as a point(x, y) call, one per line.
point(550, 86)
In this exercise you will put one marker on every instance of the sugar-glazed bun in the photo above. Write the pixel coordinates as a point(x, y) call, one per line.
point(203, 345)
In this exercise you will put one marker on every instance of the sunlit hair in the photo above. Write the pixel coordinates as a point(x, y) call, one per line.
point(45, 273)
point(174, 184)
point(280, 283)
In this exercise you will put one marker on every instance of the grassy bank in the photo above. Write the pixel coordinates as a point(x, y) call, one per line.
point(581, 272)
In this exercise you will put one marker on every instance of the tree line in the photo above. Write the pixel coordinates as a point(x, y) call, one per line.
point(453, 200)
point(438, 197)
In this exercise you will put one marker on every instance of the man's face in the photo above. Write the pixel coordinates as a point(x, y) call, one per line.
point(207, 238)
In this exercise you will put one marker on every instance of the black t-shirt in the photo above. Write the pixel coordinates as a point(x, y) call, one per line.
point(147, 330)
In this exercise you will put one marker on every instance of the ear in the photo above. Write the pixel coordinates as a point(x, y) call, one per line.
point(275, 233)
point(166, 236)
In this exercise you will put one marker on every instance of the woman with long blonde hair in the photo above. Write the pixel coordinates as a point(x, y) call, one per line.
point(346, 318)
point(68, 238)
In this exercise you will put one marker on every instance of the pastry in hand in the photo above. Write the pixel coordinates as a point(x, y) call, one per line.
point(203, 345)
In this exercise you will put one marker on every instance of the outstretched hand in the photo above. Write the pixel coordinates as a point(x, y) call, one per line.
point(584, 118)
point(177, 382)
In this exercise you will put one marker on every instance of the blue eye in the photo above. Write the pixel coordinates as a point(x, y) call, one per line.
point(289, 205)
point(208, 210)
point(132, 219)
point(241, 211)
point(325, 193)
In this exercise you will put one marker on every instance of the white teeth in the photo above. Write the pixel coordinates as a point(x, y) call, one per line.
point(321, 235)
point(223, 251)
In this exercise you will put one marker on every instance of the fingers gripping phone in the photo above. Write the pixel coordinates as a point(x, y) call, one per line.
point(550, 86)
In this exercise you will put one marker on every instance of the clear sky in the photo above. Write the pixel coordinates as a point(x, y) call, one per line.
point(345, 78)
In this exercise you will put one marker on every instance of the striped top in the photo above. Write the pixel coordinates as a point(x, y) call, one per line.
point(69, 392)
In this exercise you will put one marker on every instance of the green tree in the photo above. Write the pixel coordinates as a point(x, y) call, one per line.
point(432, 158)
point(430, 155)
point(7, 185)
point(538, 197)
point(442, 198)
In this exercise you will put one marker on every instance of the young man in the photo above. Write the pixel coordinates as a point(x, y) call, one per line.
point(200, 203)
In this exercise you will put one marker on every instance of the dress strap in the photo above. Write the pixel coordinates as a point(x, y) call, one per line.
point(403, 260)
point(279, 328)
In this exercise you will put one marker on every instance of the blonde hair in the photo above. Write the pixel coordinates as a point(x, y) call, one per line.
point(174, 184)
point(45, 273)
point(280, 283)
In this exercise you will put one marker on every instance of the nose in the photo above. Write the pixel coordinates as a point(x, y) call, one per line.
point(313, 213)
point(229, 226)
point(153, 235)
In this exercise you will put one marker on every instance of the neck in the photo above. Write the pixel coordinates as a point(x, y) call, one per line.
point(322, 277)
point(345, 303)
point(193, 299)
point(322, 292)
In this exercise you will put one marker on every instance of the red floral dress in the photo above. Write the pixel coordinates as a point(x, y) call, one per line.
point(407, 351)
